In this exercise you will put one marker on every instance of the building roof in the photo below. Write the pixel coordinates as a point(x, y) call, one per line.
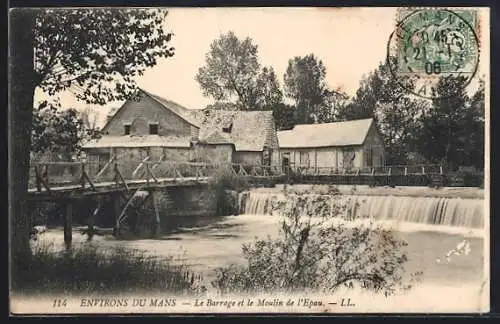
point(248, 131)
point(217, 137)
point(139, 141)
point(189, 115)
point(346, 133)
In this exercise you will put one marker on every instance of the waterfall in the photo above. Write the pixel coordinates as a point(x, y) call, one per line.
point(458, 212)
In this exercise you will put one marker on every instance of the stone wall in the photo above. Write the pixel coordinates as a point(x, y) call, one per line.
point(245, 157)
point(181, 205)
point(213, 154)
point(144, 111)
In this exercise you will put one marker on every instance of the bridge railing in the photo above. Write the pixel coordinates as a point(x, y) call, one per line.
point(53, 174)
point(58, 173)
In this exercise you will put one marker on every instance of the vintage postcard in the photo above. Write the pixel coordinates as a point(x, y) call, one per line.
point(249, 160)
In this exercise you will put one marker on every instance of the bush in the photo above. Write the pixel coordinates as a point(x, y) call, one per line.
point(225, 180)
point(314, 254)
point(88, 269)
point(465, 179)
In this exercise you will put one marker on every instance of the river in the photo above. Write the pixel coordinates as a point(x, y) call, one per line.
point(432, 225)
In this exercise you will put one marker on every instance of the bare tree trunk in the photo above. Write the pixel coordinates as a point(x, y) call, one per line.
point(21, 90)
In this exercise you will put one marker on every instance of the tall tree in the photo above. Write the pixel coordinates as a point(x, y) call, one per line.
point(331, 108)
point(364, 102)
point(283, 116)
point(447, 124)
point(475, 152)
point(231, 66)
point(266, 91)
point(99, 51)
point(305, 84)
point(232, 74)
point(394, 109)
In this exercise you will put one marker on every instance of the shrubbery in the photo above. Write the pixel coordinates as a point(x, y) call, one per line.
point(225, 180)
point(88, 269)
point(312, 253)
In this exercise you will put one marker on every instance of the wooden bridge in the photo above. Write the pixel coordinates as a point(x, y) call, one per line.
point(66, 182)
point(56, 179)
point(49, 180)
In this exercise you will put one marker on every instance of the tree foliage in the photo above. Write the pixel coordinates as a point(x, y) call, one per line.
point(394, 109)
point(266, 92)
point(284, 116)
point(99, 50)
point(58, 134)
point(232, 73)
point(305, 84)
point(312, 253)
point(453, 125)
point(95, 50)
point(331, 108)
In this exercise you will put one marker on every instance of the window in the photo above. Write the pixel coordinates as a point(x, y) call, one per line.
point(304, 159)
point(227, 127)
point(285, 161)
point(126, 129)
point(153, 129)
point(369, 157)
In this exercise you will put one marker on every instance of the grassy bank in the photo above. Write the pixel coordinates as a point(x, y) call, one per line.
point(90, 269)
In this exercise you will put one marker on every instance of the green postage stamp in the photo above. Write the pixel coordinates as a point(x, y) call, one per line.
point(429, 44)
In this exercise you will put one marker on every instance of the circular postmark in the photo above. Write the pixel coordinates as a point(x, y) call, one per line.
point(431, 44)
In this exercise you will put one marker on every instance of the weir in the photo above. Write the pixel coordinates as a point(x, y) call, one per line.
point(459, 212)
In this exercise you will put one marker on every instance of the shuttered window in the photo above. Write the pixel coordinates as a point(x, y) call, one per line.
point(153, 129)
point(126, 129)
point(304, 159)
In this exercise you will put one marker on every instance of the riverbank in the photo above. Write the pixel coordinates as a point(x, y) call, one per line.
point(218, 244)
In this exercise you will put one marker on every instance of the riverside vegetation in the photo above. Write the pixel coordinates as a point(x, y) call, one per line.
point(309, 254)
point(313, 254)
point(90, 269)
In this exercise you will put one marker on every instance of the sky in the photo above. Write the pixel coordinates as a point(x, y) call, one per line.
point(351, 42)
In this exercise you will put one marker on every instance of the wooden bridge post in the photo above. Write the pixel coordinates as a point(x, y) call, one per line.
point(117, 212)
point(157, 224)
point(68, 215)
point(91, 220)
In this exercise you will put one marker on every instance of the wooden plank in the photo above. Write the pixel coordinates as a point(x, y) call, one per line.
point(150, 172)
point(242, 171)
point(157, 225)
point(91, 221)
point(316, 161)
point(82, 177)
point(118, 173)
point(105, 167)
point(140, 165)
point(122, 215)
point(38, 179)
point(68, 237)
point(233, 171)
point(86, 176)
point(157, 163)
point(45, 178)
point(116, 205)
